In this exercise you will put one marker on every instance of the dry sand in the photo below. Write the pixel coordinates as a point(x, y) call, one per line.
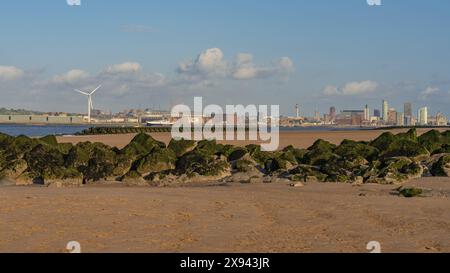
point(234, 218)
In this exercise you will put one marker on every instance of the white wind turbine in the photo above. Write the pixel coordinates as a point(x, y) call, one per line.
point(90, 104)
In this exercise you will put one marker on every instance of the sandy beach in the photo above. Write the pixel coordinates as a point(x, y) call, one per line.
point(235, 218)
point(319, 217)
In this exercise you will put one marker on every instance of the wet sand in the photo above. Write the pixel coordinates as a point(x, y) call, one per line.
point(297, 139)
point(234, 218)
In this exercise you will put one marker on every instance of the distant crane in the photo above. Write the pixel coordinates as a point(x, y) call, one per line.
point(90, 103)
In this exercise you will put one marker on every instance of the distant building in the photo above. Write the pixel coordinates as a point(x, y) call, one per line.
point(407, 109)
point(366, 113)
point(332, 114)
point(422, 116)
point(385, 110)
point(400, 119)
point(377, 113)
point(350, 118)
point(392, 117)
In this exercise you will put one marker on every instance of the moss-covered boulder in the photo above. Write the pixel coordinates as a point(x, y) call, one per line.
point(410, 135)
point(405, 147)
point(141, 145)
point(49, 140)
point(351, 150)
point(133, 178)
point(409, 192)
point(432, 140)
point(383, 141)
point(305, 173)
point(207, 147)
point(442, 166)
point(181, 147)
point(46, 163)
point(237, 153)
point(293, 155)
point(319, 153)
point(95, 161)
point(396, 170)
point(156, 161)
point(202, 163)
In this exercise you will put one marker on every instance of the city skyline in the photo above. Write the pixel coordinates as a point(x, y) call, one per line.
point(146, 54)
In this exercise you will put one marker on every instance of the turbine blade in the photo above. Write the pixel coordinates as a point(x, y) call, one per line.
point(84, 93)
point(95, 90)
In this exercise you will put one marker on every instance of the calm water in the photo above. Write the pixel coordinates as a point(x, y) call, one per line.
point(36, 131)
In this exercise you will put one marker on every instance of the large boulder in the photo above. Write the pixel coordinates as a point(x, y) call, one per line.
point(433, 140)
point(95, 161)
point(405, 147)
point(141, 145)
point(351, 150)
point(46, 164)
point(181, 147)
point(306, 173)
point(156, 161)
point(442, 166)
point(319, 153)
point(383, 141)
point(293, 155)
point(202, 163)
point(395, 171)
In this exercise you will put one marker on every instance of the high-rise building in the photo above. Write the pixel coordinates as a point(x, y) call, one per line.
point(385, 110)
point(366, 113)
point(332, 114)
point(408, 109)
point(377, 113)
point(408, 114)
point(400, 119)
point(391, 117)
point(422, 116)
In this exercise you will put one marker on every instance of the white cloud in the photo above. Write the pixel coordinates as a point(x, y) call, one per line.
point(8, 73)
point(208, 63)
point(352, 88)
point(71, 76)
point(428, 92)
point(211, 63)
point(124, 68)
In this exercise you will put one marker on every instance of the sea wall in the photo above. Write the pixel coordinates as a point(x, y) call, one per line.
point(39, 119)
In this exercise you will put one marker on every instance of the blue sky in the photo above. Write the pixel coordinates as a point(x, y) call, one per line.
point(317, 53)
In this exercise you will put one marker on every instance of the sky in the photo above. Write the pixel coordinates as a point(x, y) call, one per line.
point(155, 54)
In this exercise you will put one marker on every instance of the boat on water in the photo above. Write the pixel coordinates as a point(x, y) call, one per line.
point(160, 123)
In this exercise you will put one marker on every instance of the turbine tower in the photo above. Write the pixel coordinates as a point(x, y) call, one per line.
point(90, 104)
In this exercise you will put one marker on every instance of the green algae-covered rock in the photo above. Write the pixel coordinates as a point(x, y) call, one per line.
point(181, 147)
point(141, 145)
point(383, 141)
point(409, 192)
point(96, 161)
point(196, 162)
point(410, 135)
point(351, 150)
point(319, 153)
point(293, 155)
point(49, 140)
point(442, 166)
point(157, 161)
point(207, 147)
point(237, 153)
point(432, 140)
point(304, 173)
point(397, 170)
point(405, 147)
point(47, 163)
